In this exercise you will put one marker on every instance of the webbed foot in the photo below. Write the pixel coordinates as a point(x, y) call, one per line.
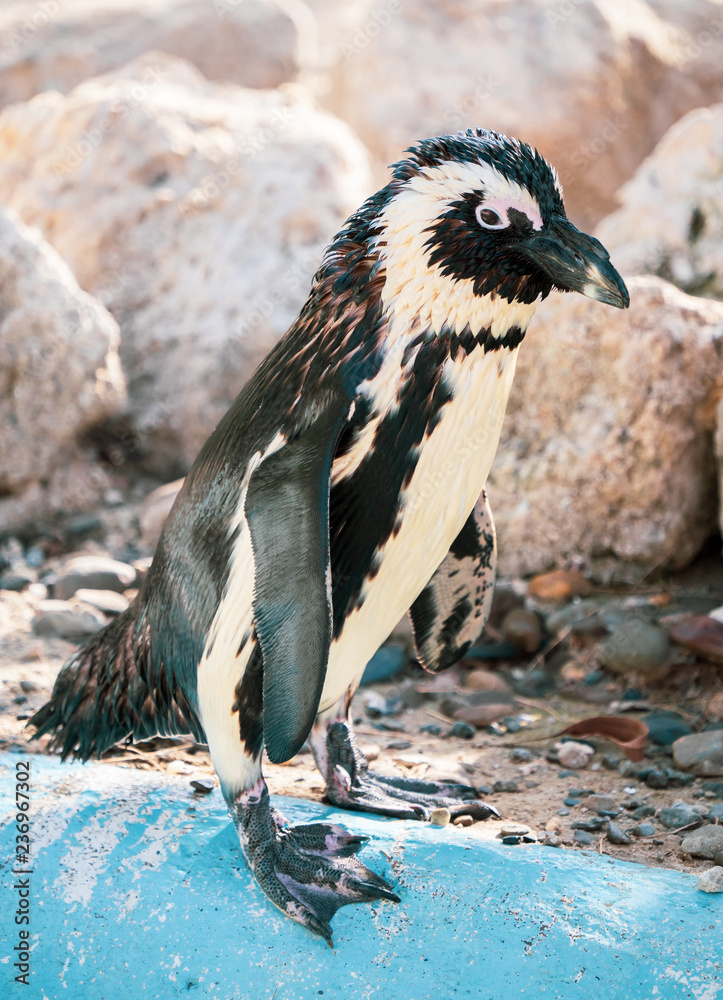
point(351, 785)
point(307, 871)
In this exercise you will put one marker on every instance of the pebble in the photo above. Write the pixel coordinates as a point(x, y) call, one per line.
point(583, 837)
point(399, 745)
point(514, 829)
point(716, 812)
point(480, 679)
point(711, 880)
point(386, 663)
point(714, 787)
point(505, 786)
point(592, 825)
point(520, 755)
point(637, 647)
point(179, 767)
point(616, 835)
point(571, 802)
point(56, 619)
point(550, 839)
point(203, 785)
point(601, 803)
point(410, 696)
point(15, 581)
point(679, 814)
point(440, 817)
point(643, 830)
point(705, 842)
point(702, 635)
point(108, 601)
point(718, 859)
point(93, 573)
point(568, 774)
point(559, 585)
point(563, 812)
point(656, 779)
point(523, 629)
point(431, 729)
point(580, 793)
point(462, 730)
point(700, 753)
point(463, 821)
point(642, 812)
point(485, 789)
point(611, 763)
point(664, 728)
point(574, 755)
point(482, 715)
point(571, 614)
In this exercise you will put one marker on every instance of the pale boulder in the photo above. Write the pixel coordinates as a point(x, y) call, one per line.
point(594, 85)
point(606, 453)
point(196, 212)
point(56, 44)
point(670, 221)
point(59, 376)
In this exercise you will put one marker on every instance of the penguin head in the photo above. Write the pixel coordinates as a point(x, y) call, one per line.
point(472, 231)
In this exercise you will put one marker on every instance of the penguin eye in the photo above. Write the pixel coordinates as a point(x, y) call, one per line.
point(490, 218)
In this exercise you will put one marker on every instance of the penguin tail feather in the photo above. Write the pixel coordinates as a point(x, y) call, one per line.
point(107, 692)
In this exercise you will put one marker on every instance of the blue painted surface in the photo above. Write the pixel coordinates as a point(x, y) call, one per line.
point(139, 891)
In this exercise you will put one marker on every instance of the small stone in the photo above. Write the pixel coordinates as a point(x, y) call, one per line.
point(643, 812)
point(440, 817)
point(463, 821)
point(108, 601)
point(574, 755)
point(700, 753)
point(202, 785)
point(29, 686)
point(563, 812)
point(386, 663)
point(714, 708)
point(636, 647)
point(716, 812)
point(711, 880)
point(566, 617)
point(664, 728)
point(678, 779)
point(628, 769)
point(568, 774)
point(600, 803)
point(93, 573)
point(520, 755)
point(580, 793)
point(583, 837)
point(480, 679)
point(56, 619)
point(679, 814)
point(15, 582)
point(512, 724)
point(616, 835)
point(703, 843)
point(656, 779)
point(718, 859)
point(714, 787)
point(571, 802)
point(462, 730)
point(559, 585)
point(399, 745)
point(523, 629)
point(592, 825)
point(514, 829)
point(482, 715)
point(431, 729)
point(179, 767)
point(611, 763)
point(643, 830)
point(485, 790)
point(702, 635)
point(505, 786)
point(550, 839)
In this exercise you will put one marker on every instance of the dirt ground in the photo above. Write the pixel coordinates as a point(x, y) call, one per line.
point(29, 664)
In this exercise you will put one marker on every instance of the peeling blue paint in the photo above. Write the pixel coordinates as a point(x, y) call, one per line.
point(140, 891)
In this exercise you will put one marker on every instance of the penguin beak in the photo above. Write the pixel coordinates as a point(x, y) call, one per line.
point(576, 262)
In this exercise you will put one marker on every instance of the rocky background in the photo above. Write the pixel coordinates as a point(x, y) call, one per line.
point(170, 172)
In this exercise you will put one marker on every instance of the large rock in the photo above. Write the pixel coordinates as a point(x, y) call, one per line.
point(594, 85)
point(56, 44)
point(59, 376)
point(197, 213)
point(606, 450)
point(671, 218)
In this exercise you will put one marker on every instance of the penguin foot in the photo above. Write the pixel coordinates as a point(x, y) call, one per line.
point(351, 785)
point(307, 871)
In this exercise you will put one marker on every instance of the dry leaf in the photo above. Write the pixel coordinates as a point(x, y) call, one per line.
point(629, 734)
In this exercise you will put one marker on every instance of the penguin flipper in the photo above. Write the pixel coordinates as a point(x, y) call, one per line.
point(453, 608)
point(287, 509)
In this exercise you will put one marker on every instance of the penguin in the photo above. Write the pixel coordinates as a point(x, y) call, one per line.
point(344, 487)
